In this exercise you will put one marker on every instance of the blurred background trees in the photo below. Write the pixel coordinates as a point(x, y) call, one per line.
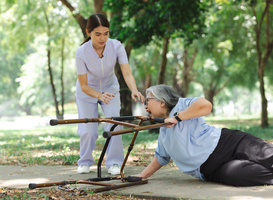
point(221, 50)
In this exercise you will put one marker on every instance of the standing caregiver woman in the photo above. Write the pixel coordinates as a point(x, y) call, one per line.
point(97, 84)
point(219, 155)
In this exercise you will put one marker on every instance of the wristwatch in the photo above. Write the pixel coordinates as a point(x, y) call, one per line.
point(176, 117)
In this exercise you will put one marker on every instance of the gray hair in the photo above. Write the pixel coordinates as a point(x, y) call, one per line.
point(165, 94)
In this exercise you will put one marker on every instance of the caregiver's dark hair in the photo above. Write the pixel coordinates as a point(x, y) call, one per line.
point(165, 94)
point(95, 21)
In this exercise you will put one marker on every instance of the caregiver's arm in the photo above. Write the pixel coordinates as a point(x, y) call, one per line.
point(105, 97)
point(131, 83)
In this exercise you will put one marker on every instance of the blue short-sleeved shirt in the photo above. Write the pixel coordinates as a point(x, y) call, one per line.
point(100, 71)
point(189, 143)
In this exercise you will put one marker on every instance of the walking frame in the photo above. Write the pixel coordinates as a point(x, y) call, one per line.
point(133, 180)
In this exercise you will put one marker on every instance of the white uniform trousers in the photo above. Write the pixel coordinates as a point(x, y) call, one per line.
point(89, 132)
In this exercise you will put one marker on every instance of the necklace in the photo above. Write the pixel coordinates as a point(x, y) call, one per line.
point(99, 52)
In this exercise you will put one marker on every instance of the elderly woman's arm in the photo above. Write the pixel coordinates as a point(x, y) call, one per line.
point(199, 108)
point(152, 168)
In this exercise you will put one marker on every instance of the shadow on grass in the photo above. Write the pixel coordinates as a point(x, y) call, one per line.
point(58, 145)
point(61, 144)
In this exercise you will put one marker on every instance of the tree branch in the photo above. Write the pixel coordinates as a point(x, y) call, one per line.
point(80, 19)
point(217, 91)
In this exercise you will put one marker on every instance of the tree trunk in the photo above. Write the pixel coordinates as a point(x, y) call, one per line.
point(62, 75)
point(163, 64)
point(50, 70)
point(148, 77)
point(80, 19)
point(212, 91)
point(185, 85)
point(188, 66)
point(126, 104)
point(185, 77)
point(58, 115)
point(264, 118)
point(26, 107)
point(209, 95)
point(148, 82)
point(125, 93)
point(182, 84)
point(263, 58)
point(98, 4)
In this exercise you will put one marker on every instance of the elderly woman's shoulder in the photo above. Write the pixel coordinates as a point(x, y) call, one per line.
point(187, 100)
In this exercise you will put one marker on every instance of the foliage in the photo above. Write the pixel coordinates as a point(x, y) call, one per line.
point(226, 46)
point(261, 11)
point(33, 85)
point(139, 21)
point(145, 61)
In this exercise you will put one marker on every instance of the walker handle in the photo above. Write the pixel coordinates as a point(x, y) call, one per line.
point(32, 186)
point(123, 118)
point(159, 119)
point(53, 122)
point(107, 134)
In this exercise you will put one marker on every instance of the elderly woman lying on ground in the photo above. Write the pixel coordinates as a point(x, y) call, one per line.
point(212, 154)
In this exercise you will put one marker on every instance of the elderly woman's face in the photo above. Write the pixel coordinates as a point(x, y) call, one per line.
point(153, 106)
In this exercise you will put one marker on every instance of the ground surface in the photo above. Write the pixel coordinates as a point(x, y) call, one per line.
point(169, 181)
point(68, 193)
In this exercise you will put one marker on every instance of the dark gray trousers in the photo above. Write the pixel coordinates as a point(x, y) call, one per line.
point(240, 159)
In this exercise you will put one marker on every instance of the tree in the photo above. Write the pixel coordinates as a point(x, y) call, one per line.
point(137, 23)
point(10, 64)
point(39, 19)
point(263, 53)
point(79, 18)
point(225, 52)
point(59, 114)
point(212, 76)
point(126, 106)
point(261, 14)
point(143, 21)
point(183, 63)
point(144, 62)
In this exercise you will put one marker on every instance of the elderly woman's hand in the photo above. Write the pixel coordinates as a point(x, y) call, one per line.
point(170, 120)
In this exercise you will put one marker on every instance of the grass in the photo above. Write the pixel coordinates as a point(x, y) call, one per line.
point(247, 125)
point(60, 144)
point(39, 145)
point(54, 145)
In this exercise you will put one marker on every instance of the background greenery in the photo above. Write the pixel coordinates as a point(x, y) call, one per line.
point(210, 51)
point(200, 48)
point(208, 47)
point(59, 145)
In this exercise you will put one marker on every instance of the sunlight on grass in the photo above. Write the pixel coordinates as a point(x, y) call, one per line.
point(61, 144)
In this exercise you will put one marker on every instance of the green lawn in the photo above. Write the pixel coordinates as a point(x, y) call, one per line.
point(60, 144)
point(55, 145)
